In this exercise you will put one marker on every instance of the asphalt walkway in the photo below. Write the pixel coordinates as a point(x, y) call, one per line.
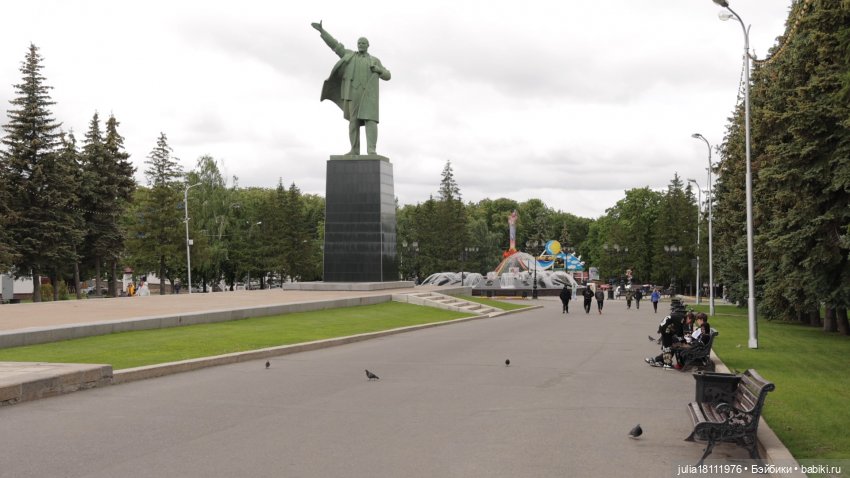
point(446, 405)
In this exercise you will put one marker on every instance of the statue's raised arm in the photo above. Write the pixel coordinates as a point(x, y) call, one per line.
point(334, 45)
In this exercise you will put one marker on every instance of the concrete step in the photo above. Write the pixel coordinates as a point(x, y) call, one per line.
point(24, 381)
point(434, 299)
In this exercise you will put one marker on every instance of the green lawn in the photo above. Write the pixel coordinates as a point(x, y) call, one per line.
point(134, 349)
point(808, 409)
point(494, 303)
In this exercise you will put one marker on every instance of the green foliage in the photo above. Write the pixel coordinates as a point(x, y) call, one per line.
point(63, 291)
point(106, 188)
point(38, 184)
point(46, 292)
point(156, 230)
point(801, 169)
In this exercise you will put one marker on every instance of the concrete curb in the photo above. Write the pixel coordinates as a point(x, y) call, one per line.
point(771, 447)
point(159, 370)
point(514, 311)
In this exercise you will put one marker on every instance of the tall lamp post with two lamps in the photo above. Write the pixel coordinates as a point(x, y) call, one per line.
point(751, 283)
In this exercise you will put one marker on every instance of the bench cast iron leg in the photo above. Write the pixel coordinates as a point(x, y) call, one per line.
point(707, 452)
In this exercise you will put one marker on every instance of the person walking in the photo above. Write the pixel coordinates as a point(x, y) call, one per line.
point(588, 298)
point(629, 296)
point(600, 298)
point(143, 289)
point(566, 295)
point(654, 298)
point(638, 297)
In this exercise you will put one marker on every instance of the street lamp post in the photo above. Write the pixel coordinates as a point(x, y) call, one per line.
point(532, 245)
point(188, 241)
point(672, 251)
point(699, 218)
point(414, 250)
point(250, 233)
point(751, 284)
point(466, 252)
point(710, 218)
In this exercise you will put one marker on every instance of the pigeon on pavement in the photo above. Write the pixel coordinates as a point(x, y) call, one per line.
point(507, 362)
point(636, 431)
point(371, 376)
point(651, 338)
point(268, 364)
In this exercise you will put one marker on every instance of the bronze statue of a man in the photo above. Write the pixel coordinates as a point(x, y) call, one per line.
point(353, 86)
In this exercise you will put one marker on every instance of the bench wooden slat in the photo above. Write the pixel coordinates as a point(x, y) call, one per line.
point(711, 420)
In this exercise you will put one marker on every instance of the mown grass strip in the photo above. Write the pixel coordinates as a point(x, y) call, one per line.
point(149, 347)
point(809, 367)
point(498, 304)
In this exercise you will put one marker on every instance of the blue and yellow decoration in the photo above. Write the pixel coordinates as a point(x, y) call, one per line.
point(555, 258)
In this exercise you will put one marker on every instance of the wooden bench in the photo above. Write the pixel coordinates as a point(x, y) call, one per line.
point(734, 422)
point(698, 353)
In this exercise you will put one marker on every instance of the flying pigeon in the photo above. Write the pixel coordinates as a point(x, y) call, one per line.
point(636, 432)
point(268, 364)
point(371, 376)
point(507, 362)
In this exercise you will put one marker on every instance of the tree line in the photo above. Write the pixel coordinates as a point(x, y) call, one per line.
point(800, 137)
point(67, 210)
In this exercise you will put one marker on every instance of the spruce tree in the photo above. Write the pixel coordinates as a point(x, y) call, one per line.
point(39, 185)
point(158, 228)
point(803, 199)
point(98, 200)
point(450, 221)
point(71, 157)
point(121, 184)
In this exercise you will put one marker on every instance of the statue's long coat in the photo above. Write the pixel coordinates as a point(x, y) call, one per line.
point(365, 105)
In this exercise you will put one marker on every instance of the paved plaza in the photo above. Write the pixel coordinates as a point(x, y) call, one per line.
point(445, 406)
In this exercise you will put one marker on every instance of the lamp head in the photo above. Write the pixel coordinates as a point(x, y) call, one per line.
point(696, 135)
point(724, 15)
point(722, 3)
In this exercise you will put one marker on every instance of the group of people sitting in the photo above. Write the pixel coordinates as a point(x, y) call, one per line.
point(680, 331)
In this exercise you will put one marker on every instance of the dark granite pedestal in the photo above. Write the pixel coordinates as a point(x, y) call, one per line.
point(360, 240)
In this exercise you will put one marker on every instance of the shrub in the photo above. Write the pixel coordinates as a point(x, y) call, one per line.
point(46, 292)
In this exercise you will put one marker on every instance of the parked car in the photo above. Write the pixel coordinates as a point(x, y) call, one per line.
point(90, 290)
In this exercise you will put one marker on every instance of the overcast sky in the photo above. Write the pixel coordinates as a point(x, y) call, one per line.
point(570, 102)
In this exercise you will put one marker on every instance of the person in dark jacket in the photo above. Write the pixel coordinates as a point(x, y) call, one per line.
point(600, 298)
point(638, 297)
point(588, 298)
point(566, 295)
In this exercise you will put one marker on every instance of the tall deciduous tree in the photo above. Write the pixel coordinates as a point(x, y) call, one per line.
point(38, 183)
point(212, 220)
